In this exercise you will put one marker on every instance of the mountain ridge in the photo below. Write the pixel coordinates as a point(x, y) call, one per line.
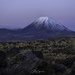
point(44, 24)
point(43, 27)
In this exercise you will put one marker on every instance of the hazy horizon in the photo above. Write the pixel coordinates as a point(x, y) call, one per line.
point(20, 13)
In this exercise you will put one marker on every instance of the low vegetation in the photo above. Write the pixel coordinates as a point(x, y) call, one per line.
point(58, 53)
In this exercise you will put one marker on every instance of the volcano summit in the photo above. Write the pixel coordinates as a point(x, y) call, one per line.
point(45, 24)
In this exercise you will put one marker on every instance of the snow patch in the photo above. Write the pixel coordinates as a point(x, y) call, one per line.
point(49, 23)
point(45, 20)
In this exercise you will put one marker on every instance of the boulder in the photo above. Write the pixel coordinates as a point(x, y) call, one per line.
point(23, 63)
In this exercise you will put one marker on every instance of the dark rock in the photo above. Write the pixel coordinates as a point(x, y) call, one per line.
point(73, 71)
point(0, 73)
point(17, 71)
point(59, 68)
point(38, 54)
point(14, 49)
point(3, 62)
point(28, 63)
point(42, 69)
point(2, 56)
point(11, 52)
point(68, 62)
point(23, 63)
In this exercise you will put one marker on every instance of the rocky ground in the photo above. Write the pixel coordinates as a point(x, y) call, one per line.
point(41, 57)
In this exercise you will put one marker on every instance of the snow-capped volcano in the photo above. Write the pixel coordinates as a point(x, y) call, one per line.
point(46, 24)
point(49, 23)
point(43, 27)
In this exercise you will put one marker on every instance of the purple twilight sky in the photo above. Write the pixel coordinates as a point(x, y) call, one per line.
point(20, 13)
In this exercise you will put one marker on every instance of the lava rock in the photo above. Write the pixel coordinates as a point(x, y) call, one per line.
point(68, 62)
point(3, 62)
point(2, 56)
point(38, 54)
point(73, 71)
point(59, 68)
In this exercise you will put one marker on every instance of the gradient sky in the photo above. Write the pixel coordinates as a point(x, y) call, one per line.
point(20, 13)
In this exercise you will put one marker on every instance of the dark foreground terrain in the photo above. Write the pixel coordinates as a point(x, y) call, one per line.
point(40, 57)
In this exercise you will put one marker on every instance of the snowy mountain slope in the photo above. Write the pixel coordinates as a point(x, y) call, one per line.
point(49, 23)
point(44, 24)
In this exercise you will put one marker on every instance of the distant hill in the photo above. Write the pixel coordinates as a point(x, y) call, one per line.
point(43, 27)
